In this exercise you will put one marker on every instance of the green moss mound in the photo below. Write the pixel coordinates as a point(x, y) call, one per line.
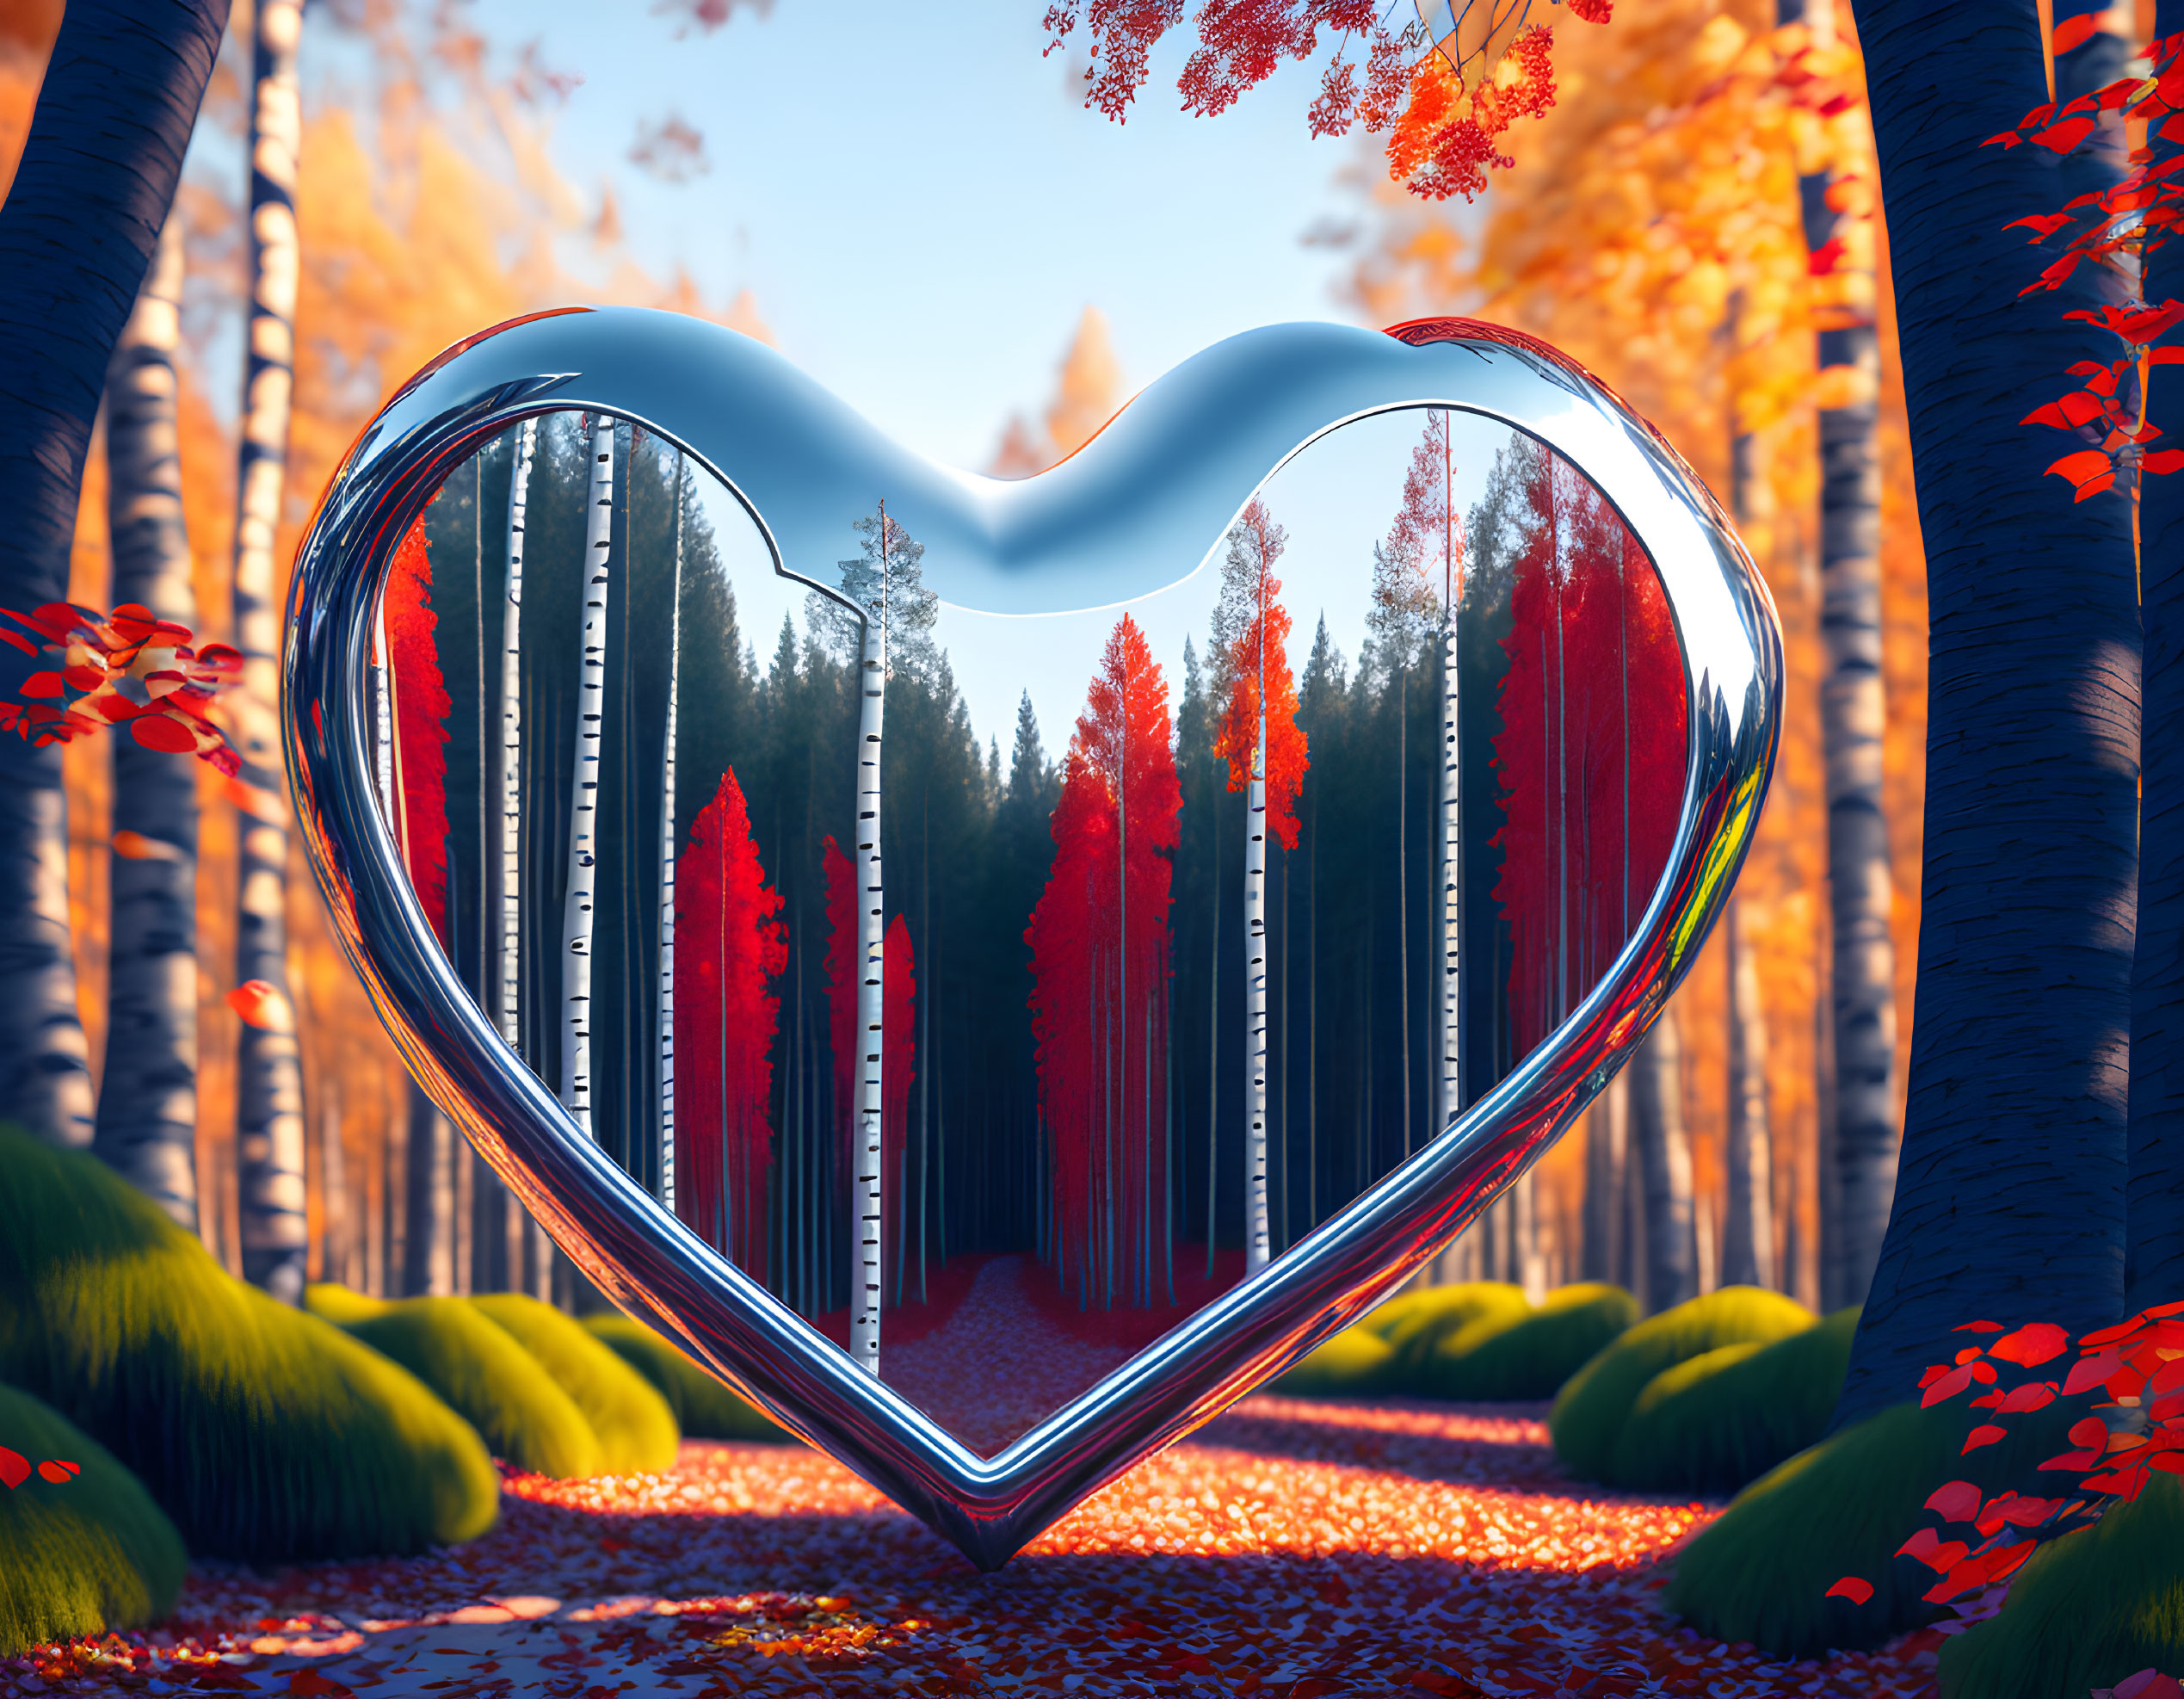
point(492, 1382)
point(1761, 1572)
point(634, 1422)
point(1716, 1421)
point(1527, 1356)
point(338, 1304)
point(703, 1407)
point(1421, 1319)
point(1353, 1364)
point(2085, 1611)
point(1590, 1410)
point(266, 1434)
point(79, 1556)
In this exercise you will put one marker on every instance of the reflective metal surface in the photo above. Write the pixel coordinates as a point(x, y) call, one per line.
point(1122, 536)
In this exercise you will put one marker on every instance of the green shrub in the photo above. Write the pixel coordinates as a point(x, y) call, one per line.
point(338, 1304)
point(267, 1435)
point(1353, 1363)
point(1718, 1421)
point(1410, 1324)
point(2085, 1611)
point(1761, 1572)
point(635, 1426)
point(524, 1419)
point(1590, 1412)
point(81, 1556)
point(1527, 1356)
point(703, 1407)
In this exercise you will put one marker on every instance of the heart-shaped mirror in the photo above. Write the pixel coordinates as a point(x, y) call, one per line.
point(997, 970)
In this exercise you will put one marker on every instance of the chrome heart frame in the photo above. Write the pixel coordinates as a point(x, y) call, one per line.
point(1183, 458)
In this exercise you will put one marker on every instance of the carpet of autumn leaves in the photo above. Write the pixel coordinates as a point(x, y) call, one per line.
point(1292, 1548)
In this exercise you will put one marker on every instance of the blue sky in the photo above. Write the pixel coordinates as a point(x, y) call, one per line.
point(924, 209)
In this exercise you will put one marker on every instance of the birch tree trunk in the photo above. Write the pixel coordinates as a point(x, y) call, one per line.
point(90, 193)
point(1607, 1155)
point(667, 861)
point(1748, 1224)
point(1256, 1226)
point(1451, 901)
point(1664, 1153)
point(429, 1239)
point(269, 1129)
point(510, 951)
point(583, 785)
point(147, 1107)
point(864, 1294)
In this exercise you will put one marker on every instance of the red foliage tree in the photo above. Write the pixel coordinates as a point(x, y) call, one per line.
point(1099, 945)
point(728, 946)
point(1589, 794)
point(898, 1060)
point(842, 996)
point(422, 706)
point(1260, 658)
point(1444, 88)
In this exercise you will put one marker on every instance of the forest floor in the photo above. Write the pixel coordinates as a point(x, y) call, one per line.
point(1290, 1548)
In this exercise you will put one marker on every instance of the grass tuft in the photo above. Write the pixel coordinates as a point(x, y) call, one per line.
point(1527, 1356)
point(1413, 1322)
point(635, 1426)
point(266, 1434)
point(339, 1303)
point(1762, 1572)
point(78, 1557)
point(1590, 1410)
point(703, 1407)
point(496, 1385)
point(1718, 1421)
point(2085, 1611)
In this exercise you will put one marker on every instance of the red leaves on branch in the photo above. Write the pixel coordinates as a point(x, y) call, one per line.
point(422, 706)
point(1444, 88)
point(1099, 946)
point(123, 668)
point(728, 948)
point(2030, 1345)
point(1260, 659)
point(1850, 1587)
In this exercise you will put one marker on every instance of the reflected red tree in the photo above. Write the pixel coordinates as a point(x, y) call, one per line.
point(1099, 948)
point(1590, 797)
point(421, 708)
point(728, 948)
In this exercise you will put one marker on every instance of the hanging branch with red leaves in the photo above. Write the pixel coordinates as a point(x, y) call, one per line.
point(125, 667)
point(728, 948)
point(1444, 88)
point(2116, 226)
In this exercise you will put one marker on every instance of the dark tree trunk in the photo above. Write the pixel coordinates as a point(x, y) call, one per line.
point(2154, 1266)
point(1671, 1261)
point(147, 1110)
point(76, 232)
point(2009, 1196)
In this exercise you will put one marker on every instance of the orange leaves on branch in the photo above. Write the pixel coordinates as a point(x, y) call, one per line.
point(125, 668)
point(2089, 470)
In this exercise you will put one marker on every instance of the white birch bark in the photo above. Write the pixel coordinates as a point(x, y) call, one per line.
point(667, 861)
point(1451, 884)
point(269, 1126)
point(1257, 1227)
point(147, 1105)
point(864, 1284)
point(579, 906)
point(511, 774)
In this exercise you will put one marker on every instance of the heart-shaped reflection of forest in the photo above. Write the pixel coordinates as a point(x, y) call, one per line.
point(1191, 932)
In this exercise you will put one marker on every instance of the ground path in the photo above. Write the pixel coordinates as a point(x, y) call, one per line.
point(1292, 1548)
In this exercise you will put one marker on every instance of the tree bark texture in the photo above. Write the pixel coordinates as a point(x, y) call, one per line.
point(269, 1126)
point(1664, 1159)
point(1748, 1222)
point(1606, 1153)
point(2154, 1239)
point(580, 903)
point(2008, 1202)
point(77, 228)
point(1258, 1236)
point(147, 1107)
point(870, 1196)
